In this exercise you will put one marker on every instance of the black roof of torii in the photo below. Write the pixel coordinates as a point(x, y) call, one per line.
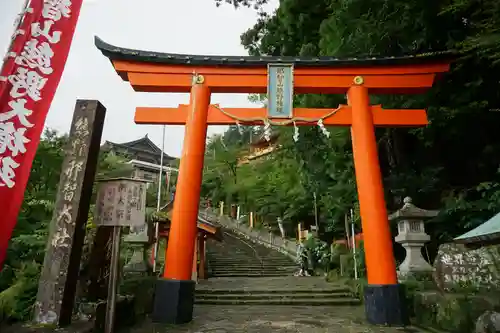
point(119, 53)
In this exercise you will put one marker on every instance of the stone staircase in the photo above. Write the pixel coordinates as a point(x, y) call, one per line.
point(245, 273)
point(235, 257)
point(286, 290)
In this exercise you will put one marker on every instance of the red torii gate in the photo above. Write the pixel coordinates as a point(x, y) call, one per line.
point(280, 77)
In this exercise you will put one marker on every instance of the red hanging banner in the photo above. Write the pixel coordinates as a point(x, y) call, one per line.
point(28, 83)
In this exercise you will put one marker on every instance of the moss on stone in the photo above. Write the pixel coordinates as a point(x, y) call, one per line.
point(455, 313)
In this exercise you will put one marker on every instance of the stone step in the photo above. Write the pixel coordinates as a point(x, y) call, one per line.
point(230, 260)
point(253, 260)
point(256, 269)
point(280, 291)
point(236, 264)
point(260, 254)
point(269, 284)
point(274, 296)
point(233, 261)
point(271, 294)
point(233, 250)
point(276, 267)
point(251, 265)
point(250, 274)
point(220, 254)
point(231, 253)
point(280, 301)
point(229, 257)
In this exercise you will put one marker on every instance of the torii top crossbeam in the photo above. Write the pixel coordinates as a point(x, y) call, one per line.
point(166, 72)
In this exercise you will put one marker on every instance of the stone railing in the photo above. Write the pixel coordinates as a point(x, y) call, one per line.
point(262, 237)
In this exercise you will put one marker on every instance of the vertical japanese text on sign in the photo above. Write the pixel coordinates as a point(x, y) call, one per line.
point(280, 75)
point(71, 174)
point(280, 91)
point(121, 202)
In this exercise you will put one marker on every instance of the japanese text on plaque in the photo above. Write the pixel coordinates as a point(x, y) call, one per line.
point(121, 203)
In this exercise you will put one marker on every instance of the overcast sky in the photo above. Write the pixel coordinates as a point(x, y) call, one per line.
point(177, 26)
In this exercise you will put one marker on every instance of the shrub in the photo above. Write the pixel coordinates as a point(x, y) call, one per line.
point(16, 302)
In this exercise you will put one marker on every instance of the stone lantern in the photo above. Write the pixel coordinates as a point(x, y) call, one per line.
point(139, 238)
point(412, 237)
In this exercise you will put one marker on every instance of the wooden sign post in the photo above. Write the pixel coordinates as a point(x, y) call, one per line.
point(57, 287)
point(121, 202)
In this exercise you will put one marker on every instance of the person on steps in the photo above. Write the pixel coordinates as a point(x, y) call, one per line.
point(302, 259)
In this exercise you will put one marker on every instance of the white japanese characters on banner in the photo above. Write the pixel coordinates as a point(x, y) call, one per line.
point(28, 81)
point(29, 78)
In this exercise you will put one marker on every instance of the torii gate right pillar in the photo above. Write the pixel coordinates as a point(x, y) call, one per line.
point(383, 295)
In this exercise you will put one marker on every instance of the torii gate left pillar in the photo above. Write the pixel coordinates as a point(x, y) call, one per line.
point(174, 296)
point(203, 75)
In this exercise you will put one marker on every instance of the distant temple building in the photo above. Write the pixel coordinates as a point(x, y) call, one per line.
point(260, 148)
point(144, 155)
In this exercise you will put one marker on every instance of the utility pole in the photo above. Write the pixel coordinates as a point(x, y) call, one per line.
point(316, 212)
point(353, 233)
point(158, 202)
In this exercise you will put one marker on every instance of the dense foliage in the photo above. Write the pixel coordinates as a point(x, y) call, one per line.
point(451, 165)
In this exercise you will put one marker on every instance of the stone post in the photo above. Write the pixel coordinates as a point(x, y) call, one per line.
point(194, 272)
point(412, 237)
point(202, 251)
point(57, 286)
point(282, 228)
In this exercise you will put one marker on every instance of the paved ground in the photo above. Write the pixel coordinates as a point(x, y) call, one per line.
point(275, 319)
